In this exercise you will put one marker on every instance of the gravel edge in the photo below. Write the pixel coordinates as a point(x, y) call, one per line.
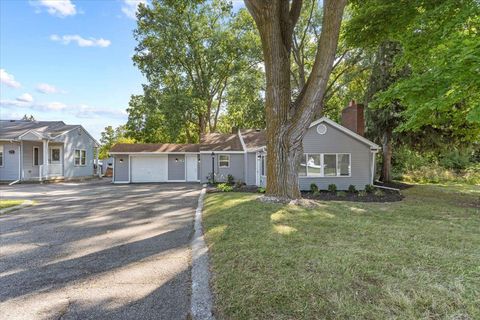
point(201, 302)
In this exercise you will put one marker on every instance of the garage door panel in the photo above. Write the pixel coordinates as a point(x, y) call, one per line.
point(149, 168)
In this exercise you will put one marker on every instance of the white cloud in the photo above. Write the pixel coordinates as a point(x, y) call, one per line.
point(26, 97)
point(85, 111)
point(81, 42)
point(47, 88)
point(129, 7)
point(50, 106)
point(8, 79)
point(59, 8)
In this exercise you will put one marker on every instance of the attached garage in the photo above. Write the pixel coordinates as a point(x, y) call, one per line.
point(146, 163)
point(149, 168)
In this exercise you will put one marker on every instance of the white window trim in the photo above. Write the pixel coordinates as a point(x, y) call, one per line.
point(3, 155)
point(33, 156)
point(80, 162)
point(219, 161)
point(322, 166)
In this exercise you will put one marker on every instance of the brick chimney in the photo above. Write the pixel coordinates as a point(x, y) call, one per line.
point(353, 118)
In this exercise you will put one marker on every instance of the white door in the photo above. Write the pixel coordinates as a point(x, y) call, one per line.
point(192, 167)
point(149, 168)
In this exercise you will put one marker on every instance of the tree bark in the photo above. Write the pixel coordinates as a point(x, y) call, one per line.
point(287, 121)
point(387, 156)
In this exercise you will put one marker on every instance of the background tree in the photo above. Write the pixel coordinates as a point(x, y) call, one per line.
point(435, 106)
point(288, 119)
point(111, 136)
point(190, 52)
point(28, 118)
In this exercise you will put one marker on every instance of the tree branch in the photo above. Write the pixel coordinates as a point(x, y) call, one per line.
point(312, 93)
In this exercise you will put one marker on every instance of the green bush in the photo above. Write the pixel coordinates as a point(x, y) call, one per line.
point(332, 188)
point(261, 190)
point(230, 179)
point(313, 188)
point(224, 187)
point(456, 159)
point(437, 174)
point(352, 189)
point(341, 194)
point(362, 193)
point(379, 193)
point(369, 188)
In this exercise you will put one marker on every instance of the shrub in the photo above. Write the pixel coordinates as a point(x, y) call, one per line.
point(362, 193)
point(379, 193)
point(369, 188)
point(313, 188)
point(230, 179)
point(261, 190)
point(332, 188)
point(341, 194)
point(352, 189)
point(455, 159)
point(224, 187)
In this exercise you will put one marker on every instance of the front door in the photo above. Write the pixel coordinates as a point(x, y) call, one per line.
point(192, 167)
point(55, 155)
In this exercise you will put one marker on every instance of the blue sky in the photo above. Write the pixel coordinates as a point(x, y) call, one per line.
point(69, 60)
point(50, 72)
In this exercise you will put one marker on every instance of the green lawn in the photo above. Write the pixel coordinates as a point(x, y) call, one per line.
point(4, 203)
point(418, 258)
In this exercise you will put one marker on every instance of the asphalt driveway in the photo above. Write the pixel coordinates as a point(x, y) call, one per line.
point(97, 251)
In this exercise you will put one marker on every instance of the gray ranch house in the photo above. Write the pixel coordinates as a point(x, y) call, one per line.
point(45, 150)
point(333, 154)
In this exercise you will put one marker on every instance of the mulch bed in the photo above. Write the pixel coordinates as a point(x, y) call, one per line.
point(387, 196)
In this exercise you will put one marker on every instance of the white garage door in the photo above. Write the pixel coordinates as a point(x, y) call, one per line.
point(149, 168)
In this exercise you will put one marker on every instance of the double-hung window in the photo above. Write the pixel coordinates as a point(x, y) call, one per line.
point(325, 165)
point(80, 157)
point(224, 161)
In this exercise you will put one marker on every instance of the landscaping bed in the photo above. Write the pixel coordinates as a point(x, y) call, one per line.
point(376, 196)
point(373, 195)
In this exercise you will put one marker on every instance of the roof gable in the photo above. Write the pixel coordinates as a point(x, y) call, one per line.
point(345, 130)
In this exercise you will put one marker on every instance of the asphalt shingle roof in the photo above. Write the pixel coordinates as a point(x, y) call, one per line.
point(220, 142)
point(254, 138)
point(154, 147)
point(12, 129)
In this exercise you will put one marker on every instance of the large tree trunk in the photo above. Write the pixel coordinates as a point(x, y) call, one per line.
point(287, 121)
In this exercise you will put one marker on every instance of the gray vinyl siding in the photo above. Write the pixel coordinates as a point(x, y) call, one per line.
point(10, 171)
point(176, 169)
point(336, 141)
point(29, 170)
point(236, 169)
point(121, 168)
point(250, 178)
point(73, 140)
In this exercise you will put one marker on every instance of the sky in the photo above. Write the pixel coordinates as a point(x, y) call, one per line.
point(69, 60)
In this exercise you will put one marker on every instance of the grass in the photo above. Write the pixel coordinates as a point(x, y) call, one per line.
point(5, 203)
point(418, 258)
